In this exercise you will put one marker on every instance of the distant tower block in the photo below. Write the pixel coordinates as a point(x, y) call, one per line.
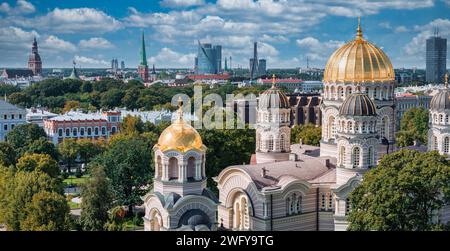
point(34, 61)
point(143, 66)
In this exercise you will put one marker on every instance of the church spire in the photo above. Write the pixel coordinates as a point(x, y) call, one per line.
point(359, 34)
point(143, 54)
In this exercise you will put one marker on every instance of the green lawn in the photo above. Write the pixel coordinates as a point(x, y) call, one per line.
point(75, 181)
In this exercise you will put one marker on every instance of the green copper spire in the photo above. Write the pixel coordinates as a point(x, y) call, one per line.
point(143, 54)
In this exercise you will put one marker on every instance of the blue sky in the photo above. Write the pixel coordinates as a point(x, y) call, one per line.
point(289, 31)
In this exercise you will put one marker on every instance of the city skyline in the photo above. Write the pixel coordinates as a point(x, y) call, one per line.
point(288, 32)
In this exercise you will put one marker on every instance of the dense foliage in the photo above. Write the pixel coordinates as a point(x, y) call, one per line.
point(308, 134)
point(413, 127)
point(405, 192)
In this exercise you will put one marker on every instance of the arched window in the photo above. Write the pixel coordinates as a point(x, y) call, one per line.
point(96, 131)
point(323, 204)
point(364, 127)
point(330, 201)
point(75, 132)
point(357, 127)
point(342, 155)
point(60, 132)
point(446, 118)
point(333, 93)
point(81, 131)
point(299, 204)
point(282, 143)
point(341, 92)
point(191, 168)
point(67, 132)
point(446, 144)
point(435, 143)
point(113, 130)
point(103, 130)
point(331, 127)
point(270, 144)
point(173, 168)
point(350, 126)
point(241, 217)
point(89, 131)
point(441, 118)
point(356, 156)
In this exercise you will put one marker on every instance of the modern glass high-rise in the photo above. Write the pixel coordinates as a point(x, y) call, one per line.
point(436, 59)
point(209, 59)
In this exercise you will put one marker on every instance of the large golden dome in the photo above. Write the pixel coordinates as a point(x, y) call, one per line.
point(180, 136)
point(358, 61)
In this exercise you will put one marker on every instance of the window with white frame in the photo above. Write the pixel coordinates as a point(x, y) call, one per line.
point(342, 155)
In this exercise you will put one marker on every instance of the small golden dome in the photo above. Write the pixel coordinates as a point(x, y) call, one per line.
point(358, 61)
point(180, 136)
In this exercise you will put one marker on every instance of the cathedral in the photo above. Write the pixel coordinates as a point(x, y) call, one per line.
point(291, 187)
point(34, 60)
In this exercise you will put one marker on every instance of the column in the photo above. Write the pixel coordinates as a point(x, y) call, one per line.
point(198, 170)
point(165, 172)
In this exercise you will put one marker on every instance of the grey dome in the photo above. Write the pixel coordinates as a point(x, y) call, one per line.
point(441, 101)
point(358, 104)
point(273, 98)
point(194, 218)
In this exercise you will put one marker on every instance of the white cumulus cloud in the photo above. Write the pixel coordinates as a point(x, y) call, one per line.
point(95, 43)
point(90, 62)
point(169, 58)
point(22, 7)
point(181, 3)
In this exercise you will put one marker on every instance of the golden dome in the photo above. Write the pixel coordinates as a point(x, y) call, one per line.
point(358, 61)
point(180, 136)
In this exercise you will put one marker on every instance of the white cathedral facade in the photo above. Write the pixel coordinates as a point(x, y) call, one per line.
point(291, 187)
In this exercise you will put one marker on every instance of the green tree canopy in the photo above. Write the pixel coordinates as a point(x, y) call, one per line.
point(43, 146)
point(38, 162)
point(404, 192)
point(132, 124)
point(47, 211)
point(309, 134)
point(128, 165)
point(19, 191)
point(97, 200)
point(68, 150)
point(7, 154)
point(23, 135)
point(413, 126)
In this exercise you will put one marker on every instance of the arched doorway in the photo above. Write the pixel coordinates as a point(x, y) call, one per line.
point(155, 220)
point(173, 168)
point(240, 212)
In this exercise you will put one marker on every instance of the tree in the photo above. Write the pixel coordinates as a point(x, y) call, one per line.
point(116, 219)
point(404, 192)
point(23, 135)
point(226, 147)
point(38, 162)
point(42, 146)
point(88, 149)
point(7, 155)
point(131, 97)
point(97, 200)
point(20, 189)
point(131, 124)
point(309, 134)
point(111, 98)
point(413, 127)
point(48, 211)
point(69, 152)
point(128, 165)
point(71, 105)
